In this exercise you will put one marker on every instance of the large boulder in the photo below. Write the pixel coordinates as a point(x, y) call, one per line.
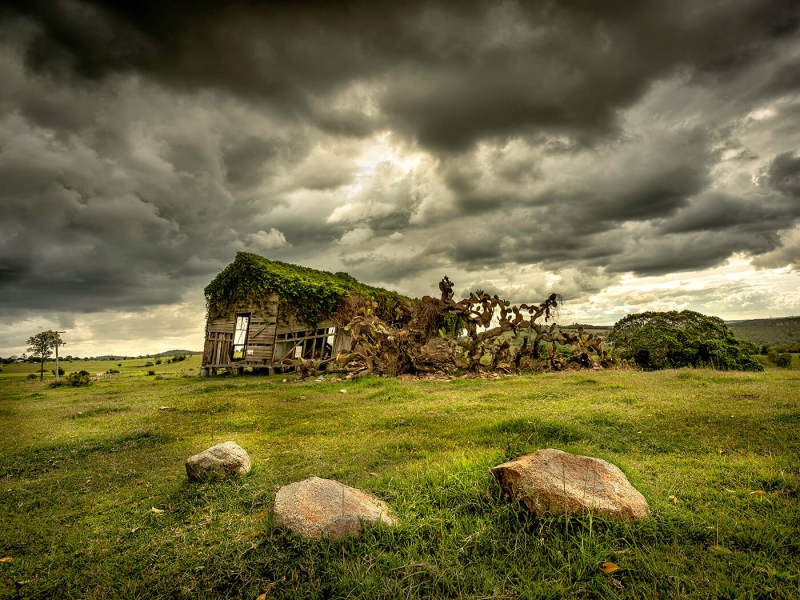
point(552, 481)
point(316, 507)
point(218, 462)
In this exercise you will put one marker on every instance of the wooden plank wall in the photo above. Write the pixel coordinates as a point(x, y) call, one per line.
point(268, 341)
point(260, 341)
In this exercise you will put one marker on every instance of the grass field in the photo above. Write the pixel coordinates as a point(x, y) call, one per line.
point(716, 454)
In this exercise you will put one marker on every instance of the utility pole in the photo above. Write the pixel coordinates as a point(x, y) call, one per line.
point(57, 332)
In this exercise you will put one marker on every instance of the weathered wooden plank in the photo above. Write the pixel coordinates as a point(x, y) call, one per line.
point(208, 352)
point(260, 356)
point(261, 335)
point(222, 326)
point(294, 326)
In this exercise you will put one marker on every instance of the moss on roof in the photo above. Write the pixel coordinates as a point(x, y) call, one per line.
point(310, 295)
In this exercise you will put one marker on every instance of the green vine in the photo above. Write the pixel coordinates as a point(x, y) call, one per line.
point(309, 295)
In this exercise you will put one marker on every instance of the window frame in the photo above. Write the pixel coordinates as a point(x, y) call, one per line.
point(236, 329)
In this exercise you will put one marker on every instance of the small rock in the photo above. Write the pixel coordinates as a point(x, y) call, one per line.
point(316, 507)
point(159, 377)
point(218, 462)
point(552, 481)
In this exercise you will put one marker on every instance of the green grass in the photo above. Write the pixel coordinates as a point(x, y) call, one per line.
point(16, 374)
point(82, 468)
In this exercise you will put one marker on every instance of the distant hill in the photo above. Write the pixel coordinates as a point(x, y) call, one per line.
point(599, 330)
point(167, 353)
point(769, 332)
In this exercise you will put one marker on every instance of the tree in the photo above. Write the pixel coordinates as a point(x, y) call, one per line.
point(668, 340)
point(41, 346)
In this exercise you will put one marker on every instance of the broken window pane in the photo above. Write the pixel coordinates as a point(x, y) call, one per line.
point(240, 336)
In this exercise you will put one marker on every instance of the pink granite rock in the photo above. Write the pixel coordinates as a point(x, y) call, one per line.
point(316, 507)
point(552, 481)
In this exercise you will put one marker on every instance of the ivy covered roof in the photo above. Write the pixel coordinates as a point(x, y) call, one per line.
point(310, 295)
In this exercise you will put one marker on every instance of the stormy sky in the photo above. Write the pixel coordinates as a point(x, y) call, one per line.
point(635, 156)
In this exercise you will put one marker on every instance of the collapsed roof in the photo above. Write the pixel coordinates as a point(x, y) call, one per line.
point(308, 294)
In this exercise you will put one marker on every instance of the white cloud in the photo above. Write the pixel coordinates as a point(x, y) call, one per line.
point(267, 240)
point(356, 236)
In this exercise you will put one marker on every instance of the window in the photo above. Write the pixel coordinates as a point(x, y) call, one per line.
point(240, 336)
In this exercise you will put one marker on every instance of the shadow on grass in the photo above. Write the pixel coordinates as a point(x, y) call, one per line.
point(37, 460)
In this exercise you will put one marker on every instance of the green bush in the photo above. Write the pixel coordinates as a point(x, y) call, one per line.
point(780, 359)
point(792, 348)
point(60, 372)
point(74, 380)
point(149, 363)
point(151, 372)
point(669, 340)
point(565, 351)
point(158, 361)
point(32, 376)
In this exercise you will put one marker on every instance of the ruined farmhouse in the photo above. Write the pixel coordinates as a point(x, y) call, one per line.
point(263, 314)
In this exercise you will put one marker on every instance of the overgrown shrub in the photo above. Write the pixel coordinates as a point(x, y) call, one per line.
point(32, 376)
point(112, 372)
point(149, 363)
point(158, 361)
point(307, 294)
point(780, 359)
point(565, 351)
point(151, 372)
point(792, 348)
point(60, 371)
point(74, 380)
point(668, 340)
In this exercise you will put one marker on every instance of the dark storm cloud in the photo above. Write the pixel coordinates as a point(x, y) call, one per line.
point(689, 252)
point(721, 212)
point(451, 73)
point(143, 144)
point(784, 174)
